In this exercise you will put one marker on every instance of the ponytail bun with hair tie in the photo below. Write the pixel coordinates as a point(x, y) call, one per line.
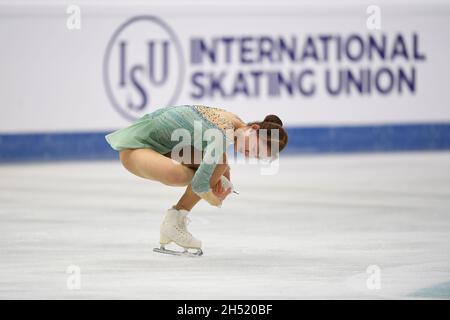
point(273, 122)
point(274, 119)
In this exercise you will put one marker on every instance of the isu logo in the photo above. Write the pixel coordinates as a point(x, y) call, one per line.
point(143, 66)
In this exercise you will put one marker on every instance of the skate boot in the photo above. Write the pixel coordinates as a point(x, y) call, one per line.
point(174, 229)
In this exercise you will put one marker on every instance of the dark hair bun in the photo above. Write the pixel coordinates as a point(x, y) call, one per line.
point(273, 118)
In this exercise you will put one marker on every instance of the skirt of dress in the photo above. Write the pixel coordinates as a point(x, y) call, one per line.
point(154, 130)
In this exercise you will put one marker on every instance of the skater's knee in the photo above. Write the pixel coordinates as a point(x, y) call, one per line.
point(123, 155)
point(127, 163)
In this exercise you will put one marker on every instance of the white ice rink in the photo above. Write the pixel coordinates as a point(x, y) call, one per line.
point(310, 231)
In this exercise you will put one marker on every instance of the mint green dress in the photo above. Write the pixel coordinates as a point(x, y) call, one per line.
point(154, 130)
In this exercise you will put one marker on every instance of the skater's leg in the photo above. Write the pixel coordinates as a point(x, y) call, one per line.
point(149, 164)
point(173, 227)
point(188, 200)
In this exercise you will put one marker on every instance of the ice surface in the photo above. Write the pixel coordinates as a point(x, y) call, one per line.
point(310, 231)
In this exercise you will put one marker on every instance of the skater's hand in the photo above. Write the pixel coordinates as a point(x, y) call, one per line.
point(226, 174)
point(220, 192)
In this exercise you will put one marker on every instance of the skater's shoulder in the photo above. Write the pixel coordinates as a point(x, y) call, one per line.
point(218, 116)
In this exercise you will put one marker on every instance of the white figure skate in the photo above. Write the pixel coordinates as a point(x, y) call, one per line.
point(173, 229)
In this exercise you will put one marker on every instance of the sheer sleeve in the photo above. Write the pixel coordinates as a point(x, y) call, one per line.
point(212, 155)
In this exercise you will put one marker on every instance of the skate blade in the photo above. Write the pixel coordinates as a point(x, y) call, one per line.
point(185, 253)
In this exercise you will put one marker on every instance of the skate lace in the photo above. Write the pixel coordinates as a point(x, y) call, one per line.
point(186, 220)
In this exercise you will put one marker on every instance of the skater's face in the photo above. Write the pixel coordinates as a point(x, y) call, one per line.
point(249, 144)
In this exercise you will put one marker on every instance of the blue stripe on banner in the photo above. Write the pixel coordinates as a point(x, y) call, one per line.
point(55, 146)
point(377, 138)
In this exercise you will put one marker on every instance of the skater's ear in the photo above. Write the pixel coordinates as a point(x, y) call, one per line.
point(254, 126)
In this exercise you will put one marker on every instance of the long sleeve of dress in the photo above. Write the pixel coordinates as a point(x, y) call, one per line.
point(213, 154)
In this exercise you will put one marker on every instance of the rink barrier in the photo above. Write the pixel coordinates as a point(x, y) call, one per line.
point(325, 139)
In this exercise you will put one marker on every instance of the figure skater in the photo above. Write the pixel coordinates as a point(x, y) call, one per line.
point(148, 149)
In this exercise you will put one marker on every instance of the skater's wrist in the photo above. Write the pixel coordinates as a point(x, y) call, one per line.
point(210, 198)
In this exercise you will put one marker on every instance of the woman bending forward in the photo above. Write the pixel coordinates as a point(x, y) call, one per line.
point(149, 146)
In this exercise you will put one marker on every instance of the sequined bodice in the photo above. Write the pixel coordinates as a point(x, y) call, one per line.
point(216, 116)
